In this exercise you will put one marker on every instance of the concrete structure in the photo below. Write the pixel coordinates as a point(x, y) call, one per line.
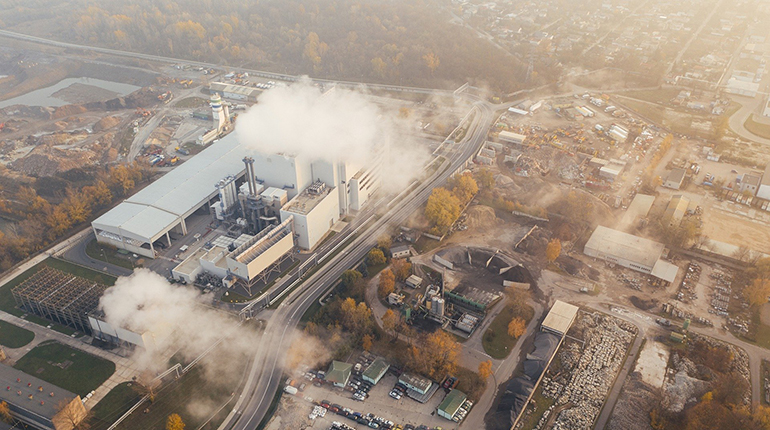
point(676, 209)
point(674, 179)
point(763, 191)
point(235, 92)
point(639, 208)
point(741, 88)
point(414, 281)
point(514, 138)
point(400, 251)
point(220, 114)
point(339, 373)
point(315, 211)
point(38, 403)
point(559, 318)
point(627, 250)
point(750, 182)
point(119, 336)
point(375, 371)
point(612, 170)
point(451, 404)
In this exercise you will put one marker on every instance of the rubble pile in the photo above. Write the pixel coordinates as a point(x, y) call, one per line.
point(632, 411)
point(590, 369)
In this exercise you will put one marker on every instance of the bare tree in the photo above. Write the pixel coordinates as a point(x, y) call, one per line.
point(72, 415)
point(146, 385)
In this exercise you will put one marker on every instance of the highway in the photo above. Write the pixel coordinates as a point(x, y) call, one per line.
point(266, 369)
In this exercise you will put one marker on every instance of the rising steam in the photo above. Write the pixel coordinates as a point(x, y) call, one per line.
point(339, 125)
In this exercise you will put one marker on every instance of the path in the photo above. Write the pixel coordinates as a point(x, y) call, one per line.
point(738, 119)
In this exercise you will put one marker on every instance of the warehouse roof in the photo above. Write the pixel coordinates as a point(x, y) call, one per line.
point(507, 135)
point(44, 396)
point(677, 207)
point(626, 246)
point(676, 175)
point(376, 369)
point(163, 203)
point(560, 317)
point(452, 402)
point(664, 270)
point(639, 208)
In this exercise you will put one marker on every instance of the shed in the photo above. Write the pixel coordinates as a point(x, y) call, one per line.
point(339, 373)
point(674, 179)
point(559, 318)
point(416, 383)
point(400, 251)
point(376, 371)
point(414, 281)
point(451, 404)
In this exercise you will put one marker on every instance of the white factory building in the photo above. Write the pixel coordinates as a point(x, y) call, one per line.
point(633, 252)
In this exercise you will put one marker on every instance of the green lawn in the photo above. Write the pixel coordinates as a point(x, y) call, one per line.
point(113, 405)
point(108, 254)
point(14, 336)
point(496, 341)
point(191, 102)
point(66, 367)
point(757, 128)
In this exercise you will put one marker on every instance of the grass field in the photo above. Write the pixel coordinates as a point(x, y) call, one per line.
point(107, 254)
point(191, 102)
point(66, 367)
point(113, 405)
point(757, 128)
point(496, 341)
point(8, 304)
point(13, 336)
point(662, 95)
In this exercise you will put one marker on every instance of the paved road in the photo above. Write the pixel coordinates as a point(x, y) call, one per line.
point(77, 254)
point(263, 378)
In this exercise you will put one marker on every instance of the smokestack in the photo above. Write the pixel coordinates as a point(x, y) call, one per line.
point(248, 161)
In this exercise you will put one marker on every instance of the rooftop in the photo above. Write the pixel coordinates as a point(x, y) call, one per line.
point(235, 89)
point(307, 200)
point(752, 179)
point(30, 393)
point(415, 381)
point(511, 136)
point(452, 402)
point(560, 317)
point(339, 372)
point(378, 367)
point(191, 263)
point(639, 207)
point(626, 246)
point(665, 271)
point(676, 175)
point(677, 207)
point(766, 177)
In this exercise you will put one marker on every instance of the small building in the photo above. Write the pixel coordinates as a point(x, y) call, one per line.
point(416, 383)
point(451, 404)
point(763, 191)
point(39, 404)
point(414, 281)
point(395, 299)
point(235, 92)
point(750, 182)
point(559, 318)
point(674, 179)
point(514, 138)
point(627, 250)
point(676, 209)
point(375, 371)
point(400, 251)
point(611, 171)
point(339, 373)
point(639, 208)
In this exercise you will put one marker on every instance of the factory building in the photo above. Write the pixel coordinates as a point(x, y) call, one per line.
point(39, 404)
point(314, 211)
point(235, 92)
point(119, 336)
point(514, 138)
point(633, 252)
point(59, 297)
point(763, 191)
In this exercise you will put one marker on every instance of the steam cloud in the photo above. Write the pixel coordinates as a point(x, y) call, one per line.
point(174, 315)
point(339, 125)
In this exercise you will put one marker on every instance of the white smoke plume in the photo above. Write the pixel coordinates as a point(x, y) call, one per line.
point(341, 124)
point(175, 316)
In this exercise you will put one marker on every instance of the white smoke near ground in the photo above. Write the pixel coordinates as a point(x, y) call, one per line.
point(174, 316)
point(338, 125)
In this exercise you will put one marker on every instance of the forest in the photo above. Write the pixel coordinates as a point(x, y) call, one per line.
point(394, 41)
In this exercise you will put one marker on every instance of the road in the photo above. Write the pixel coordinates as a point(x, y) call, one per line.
point(265, 373)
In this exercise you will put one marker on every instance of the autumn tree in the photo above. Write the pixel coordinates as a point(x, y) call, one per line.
point(401, 269)
point(553, 250)
point(757, 292)
point(350, 277)
point(436, 355)
point(389, 322)
point(384, 242)
point(68, 415)
point(366, 342)
point(375, 257)
point(387, 283)
point(464, 187)
point(174, 422)
point(5, 413)
point(485, 179)
point(517, 327)
point(356, 317)
point(485, 369)
point(431, 61)
point(146, 385)
point(442, 208)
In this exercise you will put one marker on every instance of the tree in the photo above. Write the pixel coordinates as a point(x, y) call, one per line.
point(350, 277)
point(401, 269)
point(517, 327)
point(72, 414)
point(486, 179)
point(464, 187)
point(432, 61)
point(375, 257)
point(389, 322)
point(553, 250)
point(366, 342)
point(146, 385)
point(356, 317)
point(436, 355)
point(5, 412)
point(442, 208)
point(174, 422)
point(757, 292)
point(387, 283)
point(485, 369)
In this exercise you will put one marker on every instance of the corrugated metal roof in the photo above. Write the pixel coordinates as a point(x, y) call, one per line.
point(560, 317)
point(625, 246)
point(665, 271)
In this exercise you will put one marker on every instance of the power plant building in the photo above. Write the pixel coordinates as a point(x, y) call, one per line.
point(314, 211)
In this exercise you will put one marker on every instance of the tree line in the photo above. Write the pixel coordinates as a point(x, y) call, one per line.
point(396, 42)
